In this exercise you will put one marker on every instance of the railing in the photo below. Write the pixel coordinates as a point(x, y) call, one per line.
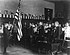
point(24, 16)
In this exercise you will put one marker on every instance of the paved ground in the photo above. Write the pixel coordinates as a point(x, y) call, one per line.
point(15, 50)
point(22, 51)
point(18, 51)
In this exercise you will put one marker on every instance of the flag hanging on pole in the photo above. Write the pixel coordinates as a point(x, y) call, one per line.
point(17, 14)
point(18, 17)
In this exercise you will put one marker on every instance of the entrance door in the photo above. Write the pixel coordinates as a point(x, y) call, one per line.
point(48, 14)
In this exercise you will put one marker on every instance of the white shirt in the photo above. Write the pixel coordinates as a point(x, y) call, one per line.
point(67, 32)
point(1, 29)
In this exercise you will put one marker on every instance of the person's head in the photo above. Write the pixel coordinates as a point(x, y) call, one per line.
point(49, 25)
point(6, 25)
point(8, 22)
point(25, 23)
point(56, 23)
point(67, 24)
point(52, 24)
point(40, 23)
point(33, 25)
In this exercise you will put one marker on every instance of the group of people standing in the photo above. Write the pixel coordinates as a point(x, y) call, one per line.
point(34, 34)
point(39, 33)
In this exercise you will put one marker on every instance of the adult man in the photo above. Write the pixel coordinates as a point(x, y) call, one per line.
point(5, 38)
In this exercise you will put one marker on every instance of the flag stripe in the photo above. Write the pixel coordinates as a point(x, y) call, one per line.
point(18, 17)
point(17, 13)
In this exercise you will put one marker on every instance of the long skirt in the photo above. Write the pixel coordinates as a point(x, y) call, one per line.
point(4, 44)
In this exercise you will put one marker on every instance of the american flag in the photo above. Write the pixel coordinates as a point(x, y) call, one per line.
point(18, 17)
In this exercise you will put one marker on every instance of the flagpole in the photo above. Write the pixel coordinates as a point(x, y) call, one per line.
point(19, 35)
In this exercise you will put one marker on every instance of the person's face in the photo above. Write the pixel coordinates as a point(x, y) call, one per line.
point(56, 23)
point(49, 25)
point(52, 24)
point(40, 23)
point(66, 24)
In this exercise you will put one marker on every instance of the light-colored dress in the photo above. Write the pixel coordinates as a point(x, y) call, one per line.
point(67, 35)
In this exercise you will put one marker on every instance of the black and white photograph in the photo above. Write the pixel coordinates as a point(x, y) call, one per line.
point(34, 27)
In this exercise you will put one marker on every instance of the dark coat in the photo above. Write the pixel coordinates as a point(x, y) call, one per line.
point(5, 37)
